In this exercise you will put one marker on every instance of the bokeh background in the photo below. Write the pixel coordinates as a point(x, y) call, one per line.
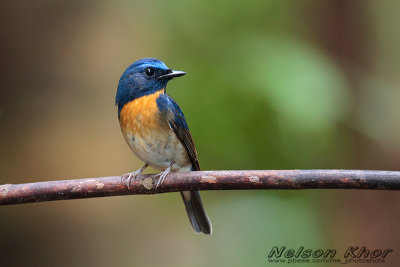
point(270, 85)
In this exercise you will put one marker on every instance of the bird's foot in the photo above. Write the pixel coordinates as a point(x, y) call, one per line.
point(133, 175)
point(163, 175)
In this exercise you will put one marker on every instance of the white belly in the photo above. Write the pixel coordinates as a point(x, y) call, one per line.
point(159, 150)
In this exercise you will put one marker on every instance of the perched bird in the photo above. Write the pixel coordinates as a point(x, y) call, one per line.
point(156, 131)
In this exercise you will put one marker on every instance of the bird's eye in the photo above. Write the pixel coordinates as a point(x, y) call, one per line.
point(149, 71)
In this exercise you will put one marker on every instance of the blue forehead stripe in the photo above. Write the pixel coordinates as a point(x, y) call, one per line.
point(149, 62)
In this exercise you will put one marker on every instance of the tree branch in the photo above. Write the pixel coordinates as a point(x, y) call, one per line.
point(207, 180)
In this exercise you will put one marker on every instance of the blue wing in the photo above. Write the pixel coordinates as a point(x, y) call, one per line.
point(170, 110)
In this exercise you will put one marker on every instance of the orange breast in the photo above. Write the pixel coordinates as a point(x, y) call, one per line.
point(140, 116)
point(149, 136)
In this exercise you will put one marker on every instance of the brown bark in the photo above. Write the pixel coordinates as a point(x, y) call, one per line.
point(204, 180)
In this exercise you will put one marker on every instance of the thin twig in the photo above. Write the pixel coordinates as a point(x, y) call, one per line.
point(208, 180)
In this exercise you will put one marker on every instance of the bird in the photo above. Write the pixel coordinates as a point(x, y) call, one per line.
point(156, 130)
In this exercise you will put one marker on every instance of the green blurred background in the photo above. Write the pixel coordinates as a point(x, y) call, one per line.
point(270, 85)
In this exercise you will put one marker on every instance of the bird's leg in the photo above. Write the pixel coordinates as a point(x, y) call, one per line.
point(163, 175)
point(133, 175)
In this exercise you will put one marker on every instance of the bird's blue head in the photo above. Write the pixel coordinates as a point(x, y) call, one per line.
point(144, 77)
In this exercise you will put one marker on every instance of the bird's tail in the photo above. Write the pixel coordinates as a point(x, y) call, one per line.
point(195, 210)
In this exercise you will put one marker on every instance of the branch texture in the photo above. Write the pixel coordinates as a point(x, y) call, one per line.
point(202, 180)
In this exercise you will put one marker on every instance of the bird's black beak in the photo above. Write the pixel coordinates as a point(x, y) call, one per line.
point(172, 74)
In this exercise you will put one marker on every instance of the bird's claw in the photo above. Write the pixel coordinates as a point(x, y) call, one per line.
point(132, 175)
point(129, 177)
point(163, 175)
